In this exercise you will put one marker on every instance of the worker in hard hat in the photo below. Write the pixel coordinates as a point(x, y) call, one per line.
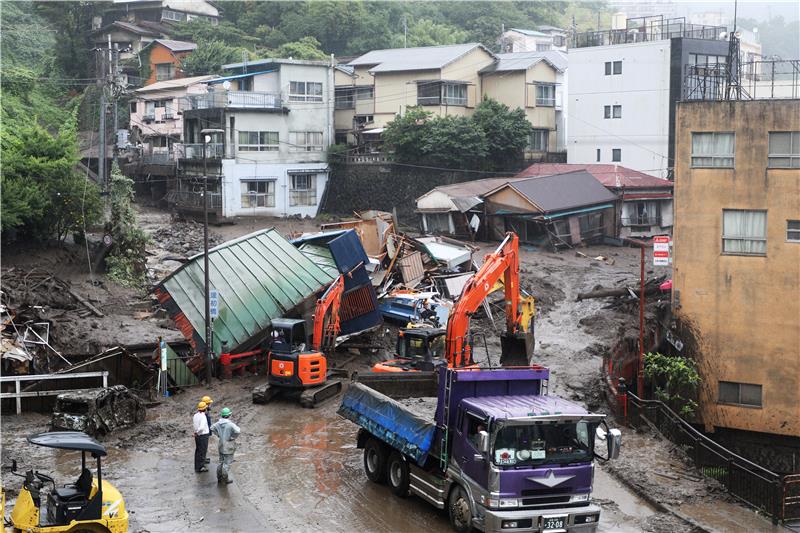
point(208, 401)
point(227, 432)
point(201, 436)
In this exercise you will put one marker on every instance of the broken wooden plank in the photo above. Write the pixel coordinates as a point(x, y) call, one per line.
point(668, 476)
point(85, 303)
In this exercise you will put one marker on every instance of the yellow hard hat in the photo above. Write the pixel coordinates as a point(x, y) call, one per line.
point(207, 400)
point(202, 406)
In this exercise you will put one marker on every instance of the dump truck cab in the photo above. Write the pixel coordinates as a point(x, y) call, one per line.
point(88, 504)
point(417, 349)
point(290, 363)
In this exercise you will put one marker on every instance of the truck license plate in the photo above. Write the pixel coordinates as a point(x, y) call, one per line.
point(554, 523)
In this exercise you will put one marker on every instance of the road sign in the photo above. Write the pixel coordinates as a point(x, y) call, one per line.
point(661, 251)
point(213, 297)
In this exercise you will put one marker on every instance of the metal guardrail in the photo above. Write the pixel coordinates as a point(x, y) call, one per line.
point(194, 200)
point(775, 495)
point(18, 394)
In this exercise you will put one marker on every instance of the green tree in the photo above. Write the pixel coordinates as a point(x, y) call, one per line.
point(506, 131)
point(406, 135)
point(305, 48)
point(226, 32)
point(675, 379)
point(426, 32)
point(43, 195)
point(209, 57)
point(126, 261)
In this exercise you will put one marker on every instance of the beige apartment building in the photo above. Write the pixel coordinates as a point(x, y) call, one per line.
point(736, 278)
point(374, 88)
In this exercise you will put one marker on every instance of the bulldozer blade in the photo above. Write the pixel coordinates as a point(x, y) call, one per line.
point(400, 384)
point(516, 349)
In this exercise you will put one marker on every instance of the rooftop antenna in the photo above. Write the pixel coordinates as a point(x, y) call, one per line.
point(244, 61)
point(733, 87)
point(405, 31)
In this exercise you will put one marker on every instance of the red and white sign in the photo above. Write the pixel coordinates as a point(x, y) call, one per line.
point(661, 251)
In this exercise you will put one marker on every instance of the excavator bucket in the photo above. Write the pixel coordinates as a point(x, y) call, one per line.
point(516, 348)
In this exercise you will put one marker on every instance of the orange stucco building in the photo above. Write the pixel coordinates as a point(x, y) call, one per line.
point(164, 56)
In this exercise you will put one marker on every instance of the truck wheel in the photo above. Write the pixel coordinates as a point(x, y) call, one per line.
point(397, 474)
point(375, 461)
point(459, 510)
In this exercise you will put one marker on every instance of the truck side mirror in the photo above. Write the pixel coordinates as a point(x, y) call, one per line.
point(614, 441)
point(483, 441)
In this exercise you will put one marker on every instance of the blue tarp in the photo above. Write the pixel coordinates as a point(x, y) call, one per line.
point(388, 420)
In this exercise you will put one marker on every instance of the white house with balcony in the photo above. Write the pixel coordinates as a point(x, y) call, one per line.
point(270, 159)
point(156, 117)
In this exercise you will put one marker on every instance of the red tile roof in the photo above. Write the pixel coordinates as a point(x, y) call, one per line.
point(612, 176)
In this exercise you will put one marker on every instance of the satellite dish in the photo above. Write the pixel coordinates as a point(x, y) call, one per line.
point(738, 34)
point(226, 85)
point(723, 35)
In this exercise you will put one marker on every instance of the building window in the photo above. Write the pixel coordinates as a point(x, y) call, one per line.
point(744, 232)
point(344, 98)
point(784, 149)
point(710, 150)
point(454, 94)
point(559, 40)
point(258, 141)
point(607, 111)
point(598, 155)
point(168, 14)
point(538, 140)
point(613, 67)
point(705, 60)
point(304, 190)
point(306, 141)
point(746, 394)
point(617, 111)
point(165, 71)
point(365, 93)
point(438, 93)
point(543, 47)
point(793, 230)
point(616, 155)
point(305, 91)
point(546, 95)
point(258, 193)
point(133, 107)
point(246, 84)
point(643, 213)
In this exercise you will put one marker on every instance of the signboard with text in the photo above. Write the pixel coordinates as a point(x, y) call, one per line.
point(661, 251)
point(213, 298)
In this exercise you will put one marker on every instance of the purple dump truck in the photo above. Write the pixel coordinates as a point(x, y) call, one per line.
point(492, 448)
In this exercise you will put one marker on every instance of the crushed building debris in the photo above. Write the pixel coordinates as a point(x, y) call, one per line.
point(97, 411)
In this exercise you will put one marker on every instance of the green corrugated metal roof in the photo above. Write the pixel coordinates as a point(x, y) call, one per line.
point(259, 277)
point(320, 256)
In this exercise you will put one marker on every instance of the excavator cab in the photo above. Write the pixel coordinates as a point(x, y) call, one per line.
point(417, 349)
point(290, 364)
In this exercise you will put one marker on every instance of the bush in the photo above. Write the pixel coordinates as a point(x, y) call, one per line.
point(675, 379)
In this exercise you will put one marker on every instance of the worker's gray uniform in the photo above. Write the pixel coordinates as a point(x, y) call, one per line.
point(227, 432)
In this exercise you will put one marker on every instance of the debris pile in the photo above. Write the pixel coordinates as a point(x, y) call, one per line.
point(183, 238)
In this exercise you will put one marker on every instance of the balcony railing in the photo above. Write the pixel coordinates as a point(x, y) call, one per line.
point(195, 151)
point(641, 220)
point(159, 158)
point(235, 99)
point(756, 80)
point(644, 29)
point(194, 200)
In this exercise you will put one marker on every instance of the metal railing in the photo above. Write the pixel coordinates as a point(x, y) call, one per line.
point(194, 200)
point(158, 158)
point(641, 220)
point(235, 99)
point(18, 394)
point(645, 29)
point(775, 495)
point(757, 79)
point(195, 151)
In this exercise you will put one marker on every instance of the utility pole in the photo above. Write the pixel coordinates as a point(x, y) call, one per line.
point(405, 31)
point(115, 81)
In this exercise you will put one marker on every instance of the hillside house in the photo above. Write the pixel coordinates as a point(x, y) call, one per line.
point(163, 59)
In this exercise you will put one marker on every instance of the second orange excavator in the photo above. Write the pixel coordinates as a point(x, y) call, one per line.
point(516, 342)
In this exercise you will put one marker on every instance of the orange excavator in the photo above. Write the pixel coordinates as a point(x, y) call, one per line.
point(417, 346)
point(296, 370)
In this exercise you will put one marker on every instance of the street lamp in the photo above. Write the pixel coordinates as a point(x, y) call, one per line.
point(206, 133)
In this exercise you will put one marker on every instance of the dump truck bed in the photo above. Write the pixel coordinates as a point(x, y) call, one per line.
point(406, 425)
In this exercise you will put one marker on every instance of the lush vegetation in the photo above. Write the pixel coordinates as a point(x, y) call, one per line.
point(126, 261)
point(493, 138)
point(675, 379)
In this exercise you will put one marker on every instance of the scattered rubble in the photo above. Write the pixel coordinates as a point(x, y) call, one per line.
point(183, 238)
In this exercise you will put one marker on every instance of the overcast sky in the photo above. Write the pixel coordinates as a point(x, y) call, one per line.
point(756, 9)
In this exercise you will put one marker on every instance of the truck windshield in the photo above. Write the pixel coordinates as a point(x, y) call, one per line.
point(535, 444)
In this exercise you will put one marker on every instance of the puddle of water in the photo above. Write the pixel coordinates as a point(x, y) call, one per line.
point(608, 488)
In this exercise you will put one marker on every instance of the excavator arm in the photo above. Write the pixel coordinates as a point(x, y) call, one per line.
point(517, 342)
point(325, 332)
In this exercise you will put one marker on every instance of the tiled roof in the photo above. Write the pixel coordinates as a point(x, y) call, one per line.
point(525, 60)
point(562, 191)
point(612, 176)
point(420, 58)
